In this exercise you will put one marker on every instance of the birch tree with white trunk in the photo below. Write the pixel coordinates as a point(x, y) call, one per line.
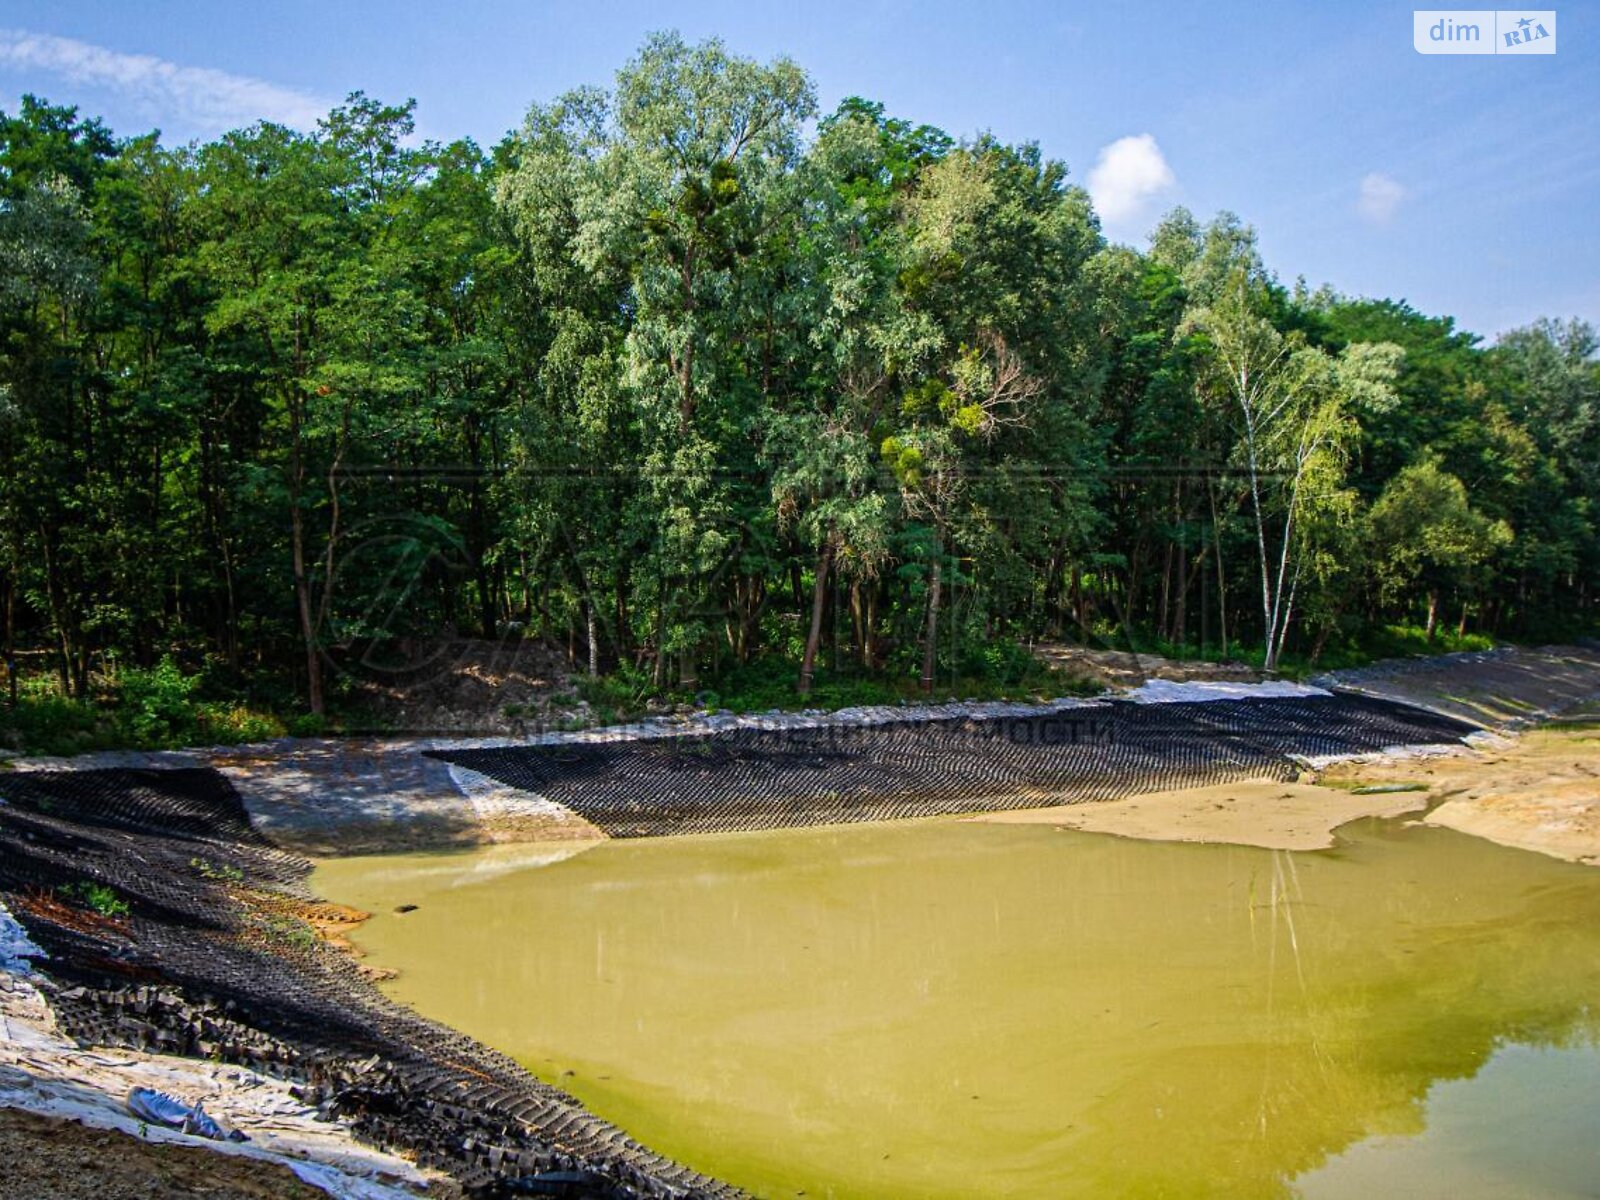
point(1292, 409)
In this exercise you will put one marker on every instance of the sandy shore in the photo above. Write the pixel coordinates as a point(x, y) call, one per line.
point(1540, 791)
point(1253, 812)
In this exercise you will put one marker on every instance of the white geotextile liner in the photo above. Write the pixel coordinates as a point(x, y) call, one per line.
point(1169, 691)
point(44, 1072)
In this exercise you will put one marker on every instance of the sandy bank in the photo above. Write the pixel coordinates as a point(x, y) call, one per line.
point(1254, 812)
point(1538, 792)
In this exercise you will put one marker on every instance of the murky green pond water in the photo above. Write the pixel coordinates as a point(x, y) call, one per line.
point(951, 1009)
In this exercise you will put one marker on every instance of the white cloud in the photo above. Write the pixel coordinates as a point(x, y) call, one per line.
point(1129, 173)
point(1381, 197)
point(205, 99)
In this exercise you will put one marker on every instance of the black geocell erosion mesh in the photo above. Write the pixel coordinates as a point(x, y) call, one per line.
point(755, 778)
point(217, 959)
point(217, 956)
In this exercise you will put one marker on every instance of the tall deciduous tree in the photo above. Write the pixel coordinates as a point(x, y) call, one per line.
point(1293, 411)
point(1426, 535)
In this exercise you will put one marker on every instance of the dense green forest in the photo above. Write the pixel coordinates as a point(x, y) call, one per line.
point(687, 377)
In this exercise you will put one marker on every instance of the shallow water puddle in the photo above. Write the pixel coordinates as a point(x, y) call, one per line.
point(952, 1009)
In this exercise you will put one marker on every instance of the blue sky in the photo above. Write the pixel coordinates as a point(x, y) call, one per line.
point(1468, 185)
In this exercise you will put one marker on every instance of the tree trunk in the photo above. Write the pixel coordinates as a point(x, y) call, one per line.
point(930, 651)
point(297, 478)
point(11, 638)
point(592, 631)
point(833, 623)
point(1461, 627)
point(232, 632)
point(488, 610)
point(1269, 626)
point(55, 587)
point(858, 622)
point(814, 635)
point(1287, 613)
point(1053, 576)
point(1321, 642)
point(308, 629)
point(302, 582)
point(620, 616)
point(658, 673)
point(1222, 578)
point(1180, 608)
point(478, 529)
point(752, 626)
point(1433, 611)
point(869, 645)
point(1163, 628)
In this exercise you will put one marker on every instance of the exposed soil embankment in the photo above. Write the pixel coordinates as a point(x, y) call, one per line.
point(1127, 669)
point(46, 1156)
point(171, 925)
point(465, 685)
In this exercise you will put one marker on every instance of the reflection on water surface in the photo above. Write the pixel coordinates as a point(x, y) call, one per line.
point(951, 1009)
